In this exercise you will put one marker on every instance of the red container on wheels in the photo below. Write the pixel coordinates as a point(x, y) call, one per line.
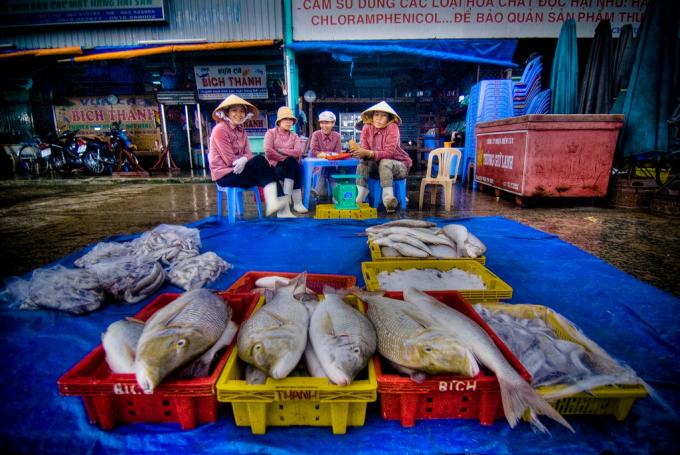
point(548, 155)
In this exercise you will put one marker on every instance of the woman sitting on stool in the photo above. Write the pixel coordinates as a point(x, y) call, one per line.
point(231, 161)
point(283, 150)
point(380, 153)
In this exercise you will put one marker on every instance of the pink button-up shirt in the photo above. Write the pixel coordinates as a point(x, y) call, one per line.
point(320, 142)
point(385, 143)
point(227, 144)
point(280, 144)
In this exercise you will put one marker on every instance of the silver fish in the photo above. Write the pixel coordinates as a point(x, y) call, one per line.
point(178, 333)
point(274, 338)
point(413, 241)
point(406, 339)
point(458, 234)
point(120, 344)
point(516, 394)
point(343, 338)
point(406, 222)
point(473, 246)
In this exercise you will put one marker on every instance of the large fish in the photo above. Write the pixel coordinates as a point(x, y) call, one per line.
point(194, 324)
point(274, 338)
point(516, 394)
point(406, 339)
point(120, 344)
point(343, 339)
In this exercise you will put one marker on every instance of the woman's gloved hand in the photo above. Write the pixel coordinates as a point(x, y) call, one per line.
point(240, 164)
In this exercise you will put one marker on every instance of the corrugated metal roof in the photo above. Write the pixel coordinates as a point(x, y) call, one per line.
point(212, 20)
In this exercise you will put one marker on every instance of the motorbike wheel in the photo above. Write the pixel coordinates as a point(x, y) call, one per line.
point(31, 160)
point(94, 165)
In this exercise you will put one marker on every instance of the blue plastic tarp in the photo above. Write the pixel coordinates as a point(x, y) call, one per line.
point(482, 51)
point(633, 321)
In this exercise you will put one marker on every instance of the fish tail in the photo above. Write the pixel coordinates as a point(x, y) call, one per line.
point(518, 395)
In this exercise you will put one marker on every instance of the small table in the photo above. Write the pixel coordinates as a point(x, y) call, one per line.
point(308, 165)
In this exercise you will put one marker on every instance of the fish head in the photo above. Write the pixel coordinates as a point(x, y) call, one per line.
point(163, 352)
point(276, 354)
point(438, 352)
point(347, 357)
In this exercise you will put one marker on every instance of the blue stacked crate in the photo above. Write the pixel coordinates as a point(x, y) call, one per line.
point(528, 86)
point(489, 100)
point(540, 104)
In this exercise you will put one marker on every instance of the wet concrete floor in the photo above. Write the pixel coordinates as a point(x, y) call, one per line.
point(42, 221)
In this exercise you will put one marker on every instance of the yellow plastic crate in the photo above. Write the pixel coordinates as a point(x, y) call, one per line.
point(376, 255)
point(328, 211)
point(296, 400)
point(616, 400)
point(496, 289)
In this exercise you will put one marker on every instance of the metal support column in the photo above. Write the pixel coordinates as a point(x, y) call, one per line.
point(188, 124)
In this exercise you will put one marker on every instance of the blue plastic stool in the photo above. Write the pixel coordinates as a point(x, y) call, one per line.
point(235, 201)
point(375, 192)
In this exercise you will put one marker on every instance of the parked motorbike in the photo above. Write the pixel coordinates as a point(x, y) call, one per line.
point(122, 149)
point(34, 156)
point(67, 152)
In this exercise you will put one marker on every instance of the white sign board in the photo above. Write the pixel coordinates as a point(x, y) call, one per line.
point(316, 20)
point(218, 82)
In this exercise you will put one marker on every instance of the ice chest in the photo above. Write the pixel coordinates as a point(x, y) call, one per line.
point(616, 400)
point(111, 399)
point(293, 401)
point(444, 396)
point(548, 155)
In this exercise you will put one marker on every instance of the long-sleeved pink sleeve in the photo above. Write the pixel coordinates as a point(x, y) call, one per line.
point(270, 151)
point(221, 154)
point(385, 143)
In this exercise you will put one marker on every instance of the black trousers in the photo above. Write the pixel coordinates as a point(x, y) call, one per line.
point(257, 172)
point(289, 169)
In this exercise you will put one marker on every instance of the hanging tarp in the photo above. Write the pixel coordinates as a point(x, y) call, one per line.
point(652, 87)
point(596, 96)
point(487, 52)
point(564, 76)
point(623, 58)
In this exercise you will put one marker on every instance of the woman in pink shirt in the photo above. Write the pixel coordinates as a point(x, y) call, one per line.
point(380, 153)
point(324, 142)
point(283, 150)
point(231, 161)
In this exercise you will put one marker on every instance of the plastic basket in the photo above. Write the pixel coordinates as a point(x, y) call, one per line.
point(293, 401)
point(315, 281)
point(328, 211)
point(496, 289)
point(376, 255)
point(111, 399)
point(616, 400)
point(444, 396)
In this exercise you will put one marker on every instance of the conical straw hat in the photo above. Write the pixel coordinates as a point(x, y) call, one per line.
point(233, 100)
point(367, 115)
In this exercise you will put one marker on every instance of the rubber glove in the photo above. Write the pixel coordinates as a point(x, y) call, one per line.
point(240, 164)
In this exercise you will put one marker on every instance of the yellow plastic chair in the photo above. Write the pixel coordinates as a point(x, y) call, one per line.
point(446, 175)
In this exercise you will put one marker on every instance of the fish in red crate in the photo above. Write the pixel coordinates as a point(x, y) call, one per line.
point(195, 325)
point(428, 315)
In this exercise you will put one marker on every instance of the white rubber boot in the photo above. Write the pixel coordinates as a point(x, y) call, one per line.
point(389, 201)
point(285, 212)
point(297, 202)
point(362, 192)
point(288, 186)
point(273, 203)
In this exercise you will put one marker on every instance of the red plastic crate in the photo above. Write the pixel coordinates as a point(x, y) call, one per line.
point(444, 396)
point(111, 399)
point(315, 281)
